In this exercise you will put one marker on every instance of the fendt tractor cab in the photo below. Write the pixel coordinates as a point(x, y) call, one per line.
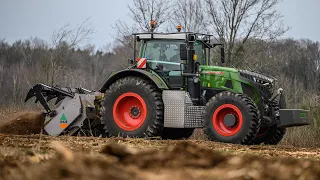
point(170, 89)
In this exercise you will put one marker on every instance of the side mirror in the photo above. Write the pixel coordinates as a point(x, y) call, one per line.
point(183, 52)
point(222, 55)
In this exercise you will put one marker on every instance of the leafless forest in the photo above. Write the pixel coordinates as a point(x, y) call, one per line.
point(251, 29)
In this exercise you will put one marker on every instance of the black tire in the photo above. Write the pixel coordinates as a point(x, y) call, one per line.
point(152, 124)
point(177, 133)
point(236, 103)
point(270, 136)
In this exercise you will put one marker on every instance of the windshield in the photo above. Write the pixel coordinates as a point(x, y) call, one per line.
point(167, 53)
point(163, 50)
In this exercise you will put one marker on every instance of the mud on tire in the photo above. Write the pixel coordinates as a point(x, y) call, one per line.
point(244, 123)
point(132, 107)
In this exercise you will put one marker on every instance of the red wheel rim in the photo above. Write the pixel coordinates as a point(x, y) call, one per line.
point(218, 120)
point(129, 111)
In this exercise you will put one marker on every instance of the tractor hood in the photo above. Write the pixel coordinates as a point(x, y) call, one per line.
point(217, 68)
point(249, 75)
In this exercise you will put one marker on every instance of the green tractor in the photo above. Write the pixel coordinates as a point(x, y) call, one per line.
point(170, 89)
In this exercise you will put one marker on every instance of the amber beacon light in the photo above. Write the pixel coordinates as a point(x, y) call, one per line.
point(179, 28)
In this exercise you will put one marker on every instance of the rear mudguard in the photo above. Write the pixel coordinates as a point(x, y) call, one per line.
point(150, 75)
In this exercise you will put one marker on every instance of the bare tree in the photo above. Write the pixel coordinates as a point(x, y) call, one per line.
point(143, 11)
point(73, 37)
point(190, 15)
point(123, 33)
point(234, 22)
point(62, 41)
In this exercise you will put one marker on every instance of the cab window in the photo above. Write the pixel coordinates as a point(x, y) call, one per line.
point(163, 52)
point(200, 52)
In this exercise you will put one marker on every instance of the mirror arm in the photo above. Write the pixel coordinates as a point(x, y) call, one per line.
point(218, 44)
point(134, 47)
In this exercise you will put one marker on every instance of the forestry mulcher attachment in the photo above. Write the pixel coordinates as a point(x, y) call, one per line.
point(170, 89)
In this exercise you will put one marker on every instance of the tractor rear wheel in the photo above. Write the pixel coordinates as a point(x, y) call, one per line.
point(177, 133)
point(132, 107)
point(231, 118)
point(270, 136)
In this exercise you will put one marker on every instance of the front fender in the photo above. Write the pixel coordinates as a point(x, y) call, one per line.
point(152, 76)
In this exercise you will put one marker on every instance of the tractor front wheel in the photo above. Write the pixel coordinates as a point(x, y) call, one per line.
point(231, 118)
point(132, 107)
point(270, 136)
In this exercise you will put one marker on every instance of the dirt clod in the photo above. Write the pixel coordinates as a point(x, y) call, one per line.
point(63, 152)
point(183, 154)
point(118, 150)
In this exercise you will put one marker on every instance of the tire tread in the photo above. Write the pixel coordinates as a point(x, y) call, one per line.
point(253, 111)
point(155, 129)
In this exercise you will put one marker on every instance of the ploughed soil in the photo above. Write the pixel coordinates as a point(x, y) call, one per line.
point(25, 154)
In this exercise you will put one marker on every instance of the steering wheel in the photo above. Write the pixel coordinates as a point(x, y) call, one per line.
point(160, 66)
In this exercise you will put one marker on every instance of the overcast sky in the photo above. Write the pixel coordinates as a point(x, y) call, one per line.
point(22, 19)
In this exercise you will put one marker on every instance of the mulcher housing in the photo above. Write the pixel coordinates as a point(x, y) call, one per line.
point(232, 105)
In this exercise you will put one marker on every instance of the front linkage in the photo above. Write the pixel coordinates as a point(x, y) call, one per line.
point(275, 117)
point(274, 105)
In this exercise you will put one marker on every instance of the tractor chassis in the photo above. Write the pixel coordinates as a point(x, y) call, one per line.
point(78, 105)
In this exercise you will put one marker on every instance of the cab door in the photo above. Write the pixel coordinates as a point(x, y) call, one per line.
point(163, 56)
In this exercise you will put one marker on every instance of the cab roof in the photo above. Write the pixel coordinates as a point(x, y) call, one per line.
point(175, 36)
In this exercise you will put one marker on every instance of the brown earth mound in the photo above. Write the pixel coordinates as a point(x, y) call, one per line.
point(184, 154)
point(66, 165)
point(215, 165)
point(24, 124)
point(184, 160)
